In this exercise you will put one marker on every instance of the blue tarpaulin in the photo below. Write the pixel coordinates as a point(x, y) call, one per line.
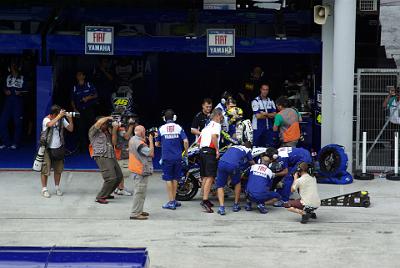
point(132, 45)
point(63, 257)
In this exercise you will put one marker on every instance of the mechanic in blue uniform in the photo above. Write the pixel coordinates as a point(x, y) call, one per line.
point(259, 184)
point(13, 107)
point(170, 138)
point(84, 100)
point(229, 166)
point(293, 157)
point(264, 111)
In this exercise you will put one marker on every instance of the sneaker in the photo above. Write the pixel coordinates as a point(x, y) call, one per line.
point(101, 201)
point(221, 210)
point(177, 204)
point(13, 147)
point(139, 217)
point(2, 146)
point(122, 192)
point(305, 218)
point(262, 209)
point(211, 204)
point(206, 205)
point(278, 204)
point(146, 214)
point(236, 207)
point(59, 192)
point(248, 206)
point(169, 205)
point(45, 193)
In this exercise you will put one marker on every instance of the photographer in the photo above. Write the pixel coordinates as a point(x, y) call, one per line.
point(307, 187)
point(121, 142)
point(52, 137)
point(104, 155)
point(141, 165)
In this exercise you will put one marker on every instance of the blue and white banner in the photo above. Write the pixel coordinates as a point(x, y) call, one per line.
point(99, 40)
point(220, 42)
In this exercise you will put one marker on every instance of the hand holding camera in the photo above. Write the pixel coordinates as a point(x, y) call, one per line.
point(61, 114)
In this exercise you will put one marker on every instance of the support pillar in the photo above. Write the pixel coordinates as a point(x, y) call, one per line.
point(44, 86)
point(343, 75)
point(327, 77)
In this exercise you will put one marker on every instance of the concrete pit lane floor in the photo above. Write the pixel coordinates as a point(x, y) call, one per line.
point(188, 237)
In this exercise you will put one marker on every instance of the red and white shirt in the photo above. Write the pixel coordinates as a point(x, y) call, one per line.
point(205, 139)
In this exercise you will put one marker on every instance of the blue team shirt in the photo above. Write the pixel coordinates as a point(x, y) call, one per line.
point(81, 91)
point(259, 181)
point(171, 136)
point(293, 156)
point(236, 155)
point(262, 105)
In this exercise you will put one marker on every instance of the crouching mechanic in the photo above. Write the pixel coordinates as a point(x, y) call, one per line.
point(229, 166)
point(104, 155)
point(292, 157)
point(170, 137)
point(307, 187)
point(259, 184)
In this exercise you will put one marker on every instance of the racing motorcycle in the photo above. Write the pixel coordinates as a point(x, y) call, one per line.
point(190, 182)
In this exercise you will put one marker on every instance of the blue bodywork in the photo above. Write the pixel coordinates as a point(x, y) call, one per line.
point(73, 257)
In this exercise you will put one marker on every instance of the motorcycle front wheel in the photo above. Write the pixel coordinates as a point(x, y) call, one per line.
point(187, 189)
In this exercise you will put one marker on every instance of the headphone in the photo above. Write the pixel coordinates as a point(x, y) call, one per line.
point(272, 153)
point(170, 111)
point(225, 96)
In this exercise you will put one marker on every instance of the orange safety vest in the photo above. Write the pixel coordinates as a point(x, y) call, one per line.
point(134, 163)
point(290, 129)
point(91, 150)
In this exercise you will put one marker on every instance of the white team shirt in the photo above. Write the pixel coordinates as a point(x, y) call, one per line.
point(225, 124)
point(207, 132)
point(55, 141)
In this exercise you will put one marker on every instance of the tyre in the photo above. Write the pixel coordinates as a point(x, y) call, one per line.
point(188, 188)
point(332, 161)
point(366, 203)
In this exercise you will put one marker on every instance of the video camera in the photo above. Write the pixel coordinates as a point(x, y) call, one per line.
point(152, 130)
point(124, 119)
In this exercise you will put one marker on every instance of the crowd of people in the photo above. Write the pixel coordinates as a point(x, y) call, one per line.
point(122, 148)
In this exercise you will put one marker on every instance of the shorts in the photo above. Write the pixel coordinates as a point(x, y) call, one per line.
point(294, 204)
point(226, 170)
point(123, 164)
point(208, 162)
point(58, 165)
point(172, 169)
point(264, 197)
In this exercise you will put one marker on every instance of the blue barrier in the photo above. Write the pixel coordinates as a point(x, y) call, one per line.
point(17, 43)
point(132, 45)
point(72, 257)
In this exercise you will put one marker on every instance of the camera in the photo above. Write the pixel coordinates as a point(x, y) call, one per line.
point(152, 131)
point(73, 114)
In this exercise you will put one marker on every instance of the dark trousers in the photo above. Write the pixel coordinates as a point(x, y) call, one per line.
point(111, 173)
point(13, 110)
point(86, 120)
